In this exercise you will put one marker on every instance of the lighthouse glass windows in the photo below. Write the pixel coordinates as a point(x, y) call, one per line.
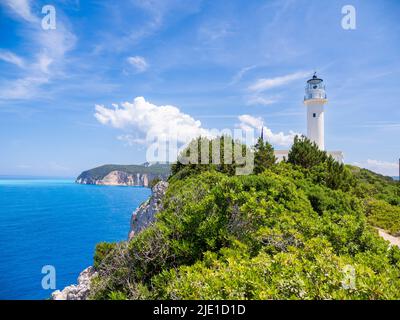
point(315, 89)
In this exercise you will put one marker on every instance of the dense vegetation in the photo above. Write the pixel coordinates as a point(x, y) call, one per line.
point(99, 173)
point(384, 215)
point(294, 230)
point(222, 154)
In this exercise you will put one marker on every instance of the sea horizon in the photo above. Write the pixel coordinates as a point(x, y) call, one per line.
point(34, 177)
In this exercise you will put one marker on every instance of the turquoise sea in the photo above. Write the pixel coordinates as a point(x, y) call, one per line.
point(57, 223)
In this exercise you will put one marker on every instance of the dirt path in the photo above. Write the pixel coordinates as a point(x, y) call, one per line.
point(394, 241)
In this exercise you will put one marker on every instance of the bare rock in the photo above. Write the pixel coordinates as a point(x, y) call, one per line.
point(77, 292)
point(144, 215)
point(120, 178)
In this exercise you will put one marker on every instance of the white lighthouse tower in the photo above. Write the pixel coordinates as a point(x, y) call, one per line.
point(315, 99)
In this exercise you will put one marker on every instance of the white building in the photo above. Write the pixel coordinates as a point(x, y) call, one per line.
point(315, 99)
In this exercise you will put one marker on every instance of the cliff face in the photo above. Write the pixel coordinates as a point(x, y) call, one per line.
point(119, 178)
point(76, 292)
point(144, 215)
point(141, 218)
point(121, 175)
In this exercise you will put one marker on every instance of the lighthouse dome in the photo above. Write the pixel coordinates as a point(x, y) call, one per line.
point(315, 88)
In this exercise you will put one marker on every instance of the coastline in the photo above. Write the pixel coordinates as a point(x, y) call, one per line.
point(141, 217)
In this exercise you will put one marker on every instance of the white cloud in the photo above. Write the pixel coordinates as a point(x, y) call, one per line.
point(382, 167)
point(10, 57)
point(22, 9)
point(152, 16)
point(55, 43)
point(248, 122)
point(260, 100)
point(265, 84)
point(144, 123)
point(139, 63)
point(240, 74)
point(254, 122)
point(43, 63)
point(24, 88)
point(164, 122)
point(48, 48)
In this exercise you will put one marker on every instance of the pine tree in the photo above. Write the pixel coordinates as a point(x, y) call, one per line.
point(306, 153)
point(337, 175)
point(263, 156)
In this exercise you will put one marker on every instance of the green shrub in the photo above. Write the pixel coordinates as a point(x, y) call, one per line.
point(101, 251)
point(264, 156)
point(305, 153)
point(373, 185)
point(291, 231)
point(384, 215)
point(117, 295)
point(154, 182)
point(312, 272)
point(214, 157)
point(275, 235)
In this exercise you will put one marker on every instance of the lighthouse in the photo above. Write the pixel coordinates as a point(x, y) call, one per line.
point(315, 99)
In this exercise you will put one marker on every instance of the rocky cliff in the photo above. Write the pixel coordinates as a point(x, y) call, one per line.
point(119, 178)
point(141, 218)
point(119, 175)
point(76, 292)
point(144, 215)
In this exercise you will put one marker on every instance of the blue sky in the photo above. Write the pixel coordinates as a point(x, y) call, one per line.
point(214, 61)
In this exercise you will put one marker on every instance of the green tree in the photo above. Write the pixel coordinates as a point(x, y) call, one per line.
point(202, 154)
point(338, 176)
point(384, 215)
point(306, 153)
point(266, 236)
point(264, 156)
point(154, 182)
point(101, 252)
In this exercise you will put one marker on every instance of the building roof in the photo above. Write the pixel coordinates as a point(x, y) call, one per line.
point(315, 79)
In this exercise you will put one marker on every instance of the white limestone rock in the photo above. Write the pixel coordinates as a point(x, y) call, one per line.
point(144, 215)
point(77, 292)
point(120, 178)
